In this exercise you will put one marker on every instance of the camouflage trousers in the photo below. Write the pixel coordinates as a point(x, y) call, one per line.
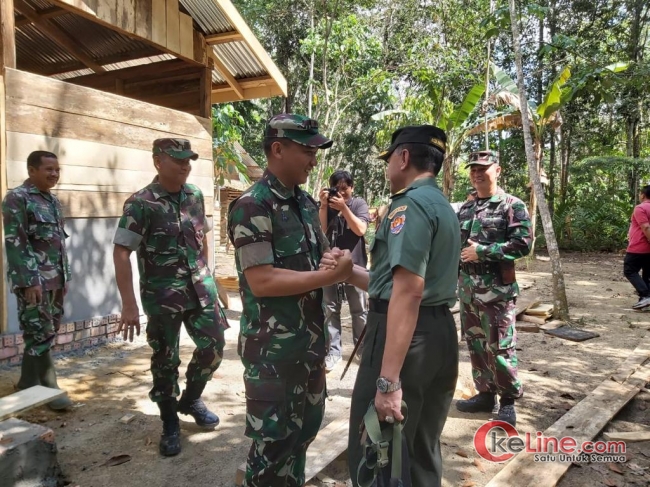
point(285, 405)
point(489, 329)
point(40, 322)
point(204, 327)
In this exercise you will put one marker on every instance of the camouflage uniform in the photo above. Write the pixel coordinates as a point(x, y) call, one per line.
point(36, 254)
point(176, 285)
point(282, 340)
point(501, 227)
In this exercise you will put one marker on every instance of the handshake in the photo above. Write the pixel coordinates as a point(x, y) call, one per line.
point(339, 262)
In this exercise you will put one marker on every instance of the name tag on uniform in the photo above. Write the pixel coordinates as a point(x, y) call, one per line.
point(396, 211)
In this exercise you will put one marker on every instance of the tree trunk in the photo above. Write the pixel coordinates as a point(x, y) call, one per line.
point(448, 176)
point(565, 158)
point(560, 302)
point(551, 174)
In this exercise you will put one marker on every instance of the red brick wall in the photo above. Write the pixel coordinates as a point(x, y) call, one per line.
point(71, 336)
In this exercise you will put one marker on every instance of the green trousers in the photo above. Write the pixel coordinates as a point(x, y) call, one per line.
point(428, 377)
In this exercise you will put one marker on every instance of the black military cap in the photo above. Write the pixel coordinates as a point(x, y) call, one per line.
point(416, 134)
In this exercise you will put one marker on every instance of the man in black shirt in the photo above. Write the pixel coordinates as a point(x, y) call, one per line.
point(345, 220)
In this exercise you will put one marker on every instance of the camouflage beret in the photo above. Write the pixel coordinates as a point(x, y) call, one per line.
point(176, 148)
point(298, 128)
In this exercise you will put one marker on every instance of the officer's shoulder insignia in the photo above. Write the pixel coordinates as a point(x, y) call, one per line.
point(396, 211)
point(397, 224)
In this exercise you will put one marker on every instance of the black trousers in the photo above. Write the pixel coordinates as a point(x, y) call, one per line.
point(428, 379)
point(632, 264)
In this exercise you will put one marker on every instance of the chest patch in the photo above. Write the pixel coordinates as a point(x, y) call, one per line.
point(397, 224)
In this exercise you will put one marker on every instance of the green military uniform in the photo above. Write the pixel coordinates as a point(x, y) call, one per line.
point(36, 255)
point(176, 286)
point(282, 340)
point(420, 233)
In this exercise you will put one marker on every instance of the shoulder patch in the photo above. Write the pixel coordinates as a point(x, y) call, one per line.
point(396, 211)
point(397, 224)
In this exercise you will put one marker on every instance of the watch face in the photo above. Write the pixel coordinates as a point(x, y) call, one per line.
point(382, 384)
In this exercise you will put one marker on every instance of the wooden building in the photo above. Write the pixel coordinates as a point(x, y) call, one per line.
point(96, 81)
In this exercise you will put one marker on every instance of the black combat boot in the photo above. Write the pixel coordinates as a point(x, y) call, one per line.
point(28, 373)
point(507, 411)
point(192, 404)
point(47, 378)
point(170, 439)
point(483, 402)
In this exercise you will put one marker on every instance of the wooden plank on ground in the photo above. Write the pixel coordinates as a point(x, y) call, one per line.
point(331, 441)
point(583, 422)
point(532, 319)
point(627, 437)
point(634, 361)
point(523, 304)
point(552, 325)
point(527, 327)
point(22, 401)
point(540, 310)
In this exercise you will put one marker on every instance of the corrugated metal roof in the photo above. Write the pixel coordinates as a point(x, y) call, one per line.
point(208, 16)
point(239, 60)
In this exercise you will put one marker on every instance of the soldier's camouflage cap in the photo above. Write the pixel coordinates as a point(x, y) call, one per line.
point(482, 158)
point(177, 148)
point(298, 128)
point(416, 134)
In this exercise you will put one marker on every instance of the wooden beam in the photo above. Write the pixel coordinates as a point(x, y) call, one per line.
point(7, 35)
point(225, 74)
point(3, 192)
point(249, 94)
point(245, 83)
point(236, 20)
point(206, 91)
point(46, 13)
point(223, 37)
point(57, 35)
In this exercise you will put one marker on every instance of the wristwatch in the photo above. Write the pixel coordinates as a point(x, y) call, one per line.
point(385, 386)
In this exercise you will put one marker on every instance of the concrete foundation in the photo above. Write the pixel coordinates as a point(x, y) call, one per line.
point(28, 455)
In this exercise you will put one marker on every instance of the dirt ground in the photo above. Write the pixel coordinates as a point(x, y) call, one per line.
point(110, 382)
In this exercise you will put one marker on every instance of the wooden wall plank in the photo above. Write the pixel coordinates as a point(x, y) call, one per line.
point(41, 91)
point(85, 204)
point(143, 18)
point(128, 15)
point(173, 26)
point(100, 179)
point(106, 11)
point(186, 34)
point(92, 154)
point(159, 22)
point(7, 35)
point(39, 121)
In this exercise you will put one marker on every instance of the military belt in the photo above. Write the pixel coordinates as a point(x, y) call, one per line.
point(479, 268)
point(381, 306)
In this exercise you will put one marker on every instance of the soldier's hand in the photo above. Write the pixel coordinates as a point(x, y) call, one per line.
point(323, 197)
point(344, 266)
point(34, 294)
point(329, 259)
point(468, 254)
point(129, 321)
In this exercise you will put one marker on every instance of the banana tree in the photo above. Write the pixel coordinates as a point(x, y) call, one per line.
point(547, 115)
point(452, 119)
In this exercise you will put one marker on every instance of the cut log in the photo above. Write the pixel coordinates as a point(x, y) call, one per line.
point(332, 440)
point(21, 401)
point(523, 304)
point(552, 325)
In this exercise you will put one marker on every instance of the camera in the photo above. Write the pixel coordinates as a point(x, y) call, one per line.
point(332, 192)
